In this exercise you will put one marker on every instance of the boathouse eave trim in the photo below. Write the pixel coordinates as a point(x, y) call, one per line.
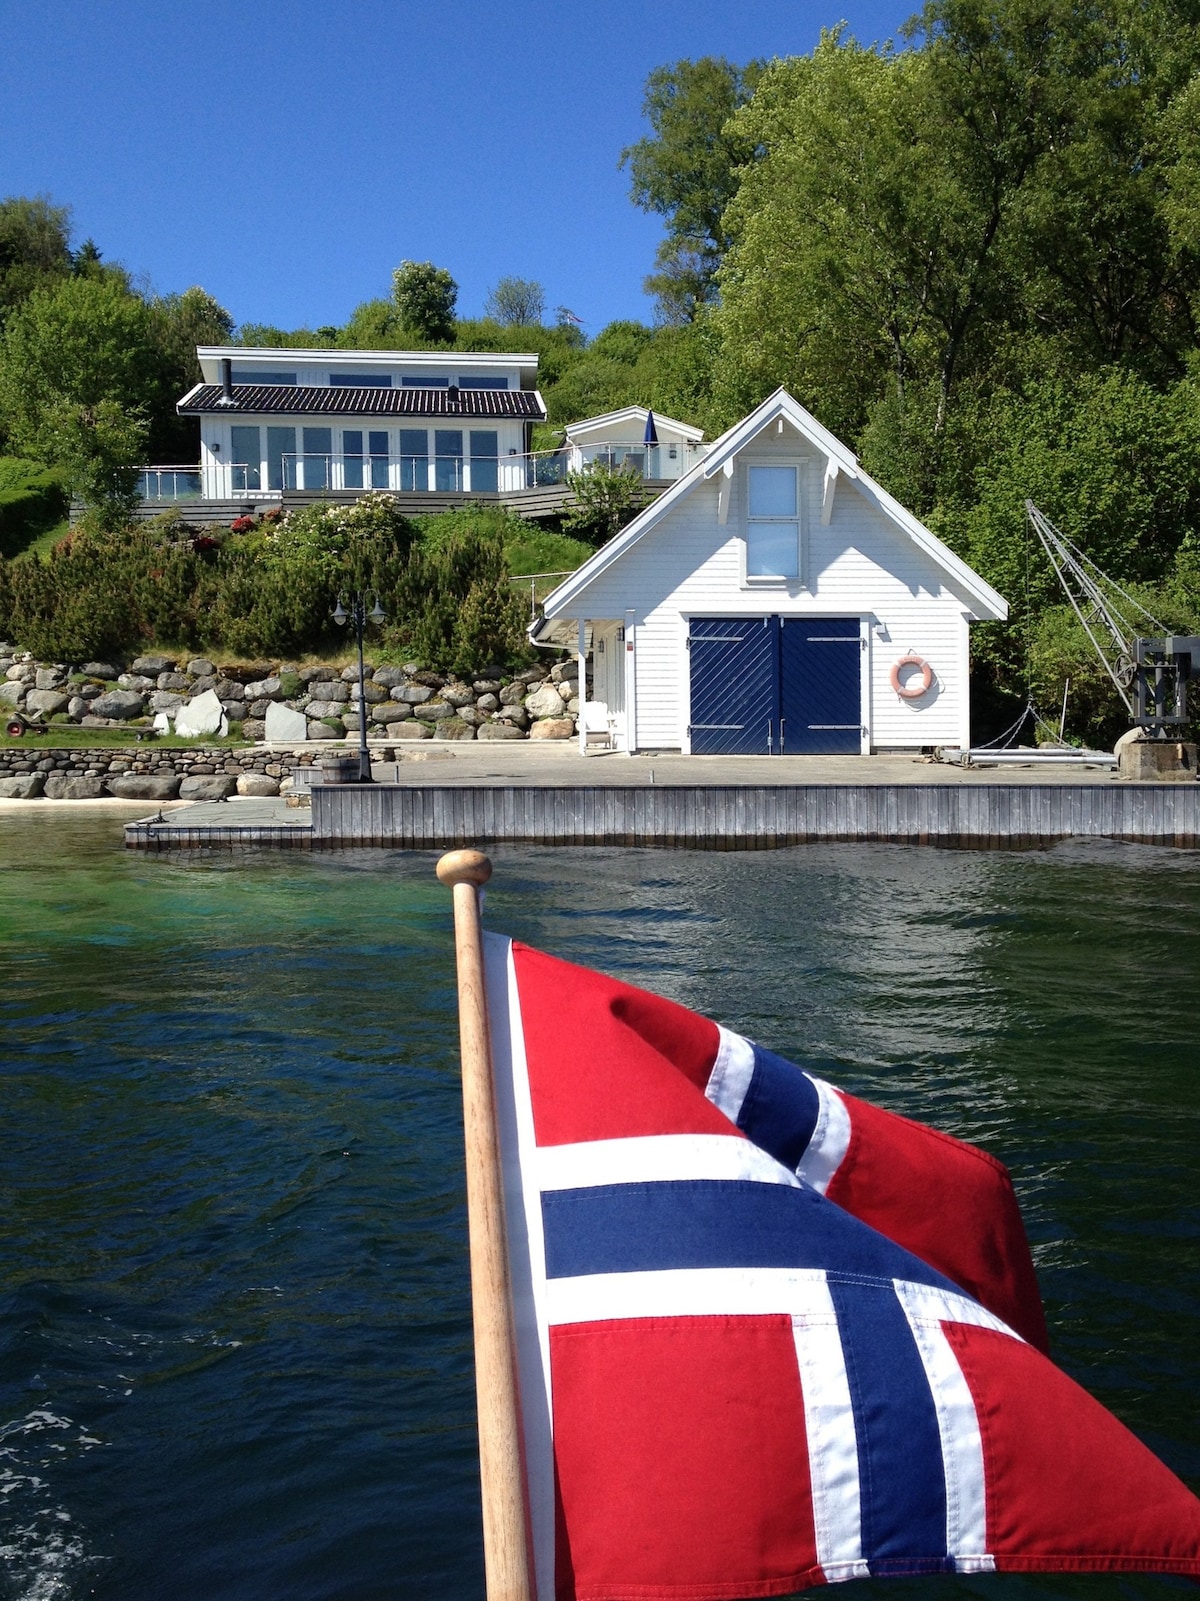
point(986, 603)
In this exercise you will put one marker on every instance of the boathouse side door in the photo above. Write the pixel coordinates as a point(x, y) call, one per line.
point(820, 670)
point(767, 686)
point(734, 666)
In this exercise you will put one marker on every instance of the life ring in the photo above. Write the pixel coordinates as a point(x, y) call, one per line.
point(915, 688)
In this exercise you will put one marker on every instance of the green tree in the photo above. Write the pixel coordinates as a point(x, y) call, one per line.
point(603, 500)
point(34, 248)
point(687, 172)
point(79, 373)
point(516, 302)
point(425, 297)
point(178, 323)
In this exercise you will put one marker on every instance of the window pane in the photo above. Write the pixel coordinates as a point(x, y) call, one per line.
point(318, 445)
point(484, 446)
point(377, 444)
point(281, 443)
point(482, 383)
point(247, 458)
point(447, 445)
point(773, 550)
point(352, 461)
point(772, 491)
point(419, 380)
point(260, 375)
point(360, 380)
point(414, 459)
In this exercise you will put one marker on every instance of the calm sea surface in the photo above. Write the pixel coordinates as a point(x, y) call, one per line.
point(234, 1341)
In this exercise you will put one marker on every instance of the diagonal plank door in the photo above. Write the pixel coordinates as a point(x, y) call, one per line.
point(735, 685)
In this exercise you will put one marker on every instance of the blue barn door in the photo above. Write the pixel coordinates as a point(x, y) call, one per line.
point(735, 685)
point(820, 686)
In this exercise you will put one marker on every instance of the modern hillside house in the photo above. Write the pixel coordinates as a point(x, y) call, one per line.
point(436, 428)
point(321, 421)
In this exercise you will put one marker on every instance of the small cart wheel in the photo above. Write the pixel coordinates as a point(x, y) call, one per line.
point(15, 728)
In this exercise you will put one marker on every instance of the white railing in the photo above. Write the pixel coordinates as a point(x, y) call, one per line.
point(429, 474)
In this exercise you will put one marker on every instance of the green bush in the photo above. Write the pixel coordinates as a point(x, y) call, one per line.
point(32, 499)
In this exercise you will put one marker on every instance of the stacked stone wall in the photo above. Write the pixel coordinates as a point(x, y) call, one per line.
point(402, 703)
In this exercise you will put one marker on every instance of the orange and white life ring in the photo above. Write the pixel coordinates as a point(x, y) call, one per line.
point(915, 687)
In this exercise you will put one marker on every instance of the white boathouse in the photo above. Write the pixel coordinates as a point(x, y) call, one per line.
point(775, 600)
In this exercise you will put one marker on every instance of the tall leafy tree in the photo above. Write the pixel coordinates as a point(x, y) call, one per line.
point(516, 302)
point(178, 323)
point(34, 248)
point(79, 373)
point(425, 297)
point(687, 172)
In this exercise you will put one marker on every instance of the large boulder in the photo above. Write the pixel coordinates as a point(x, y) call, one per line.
point(201, 667)
point(208, 787)
point(22, 786)
point(179, 682)
point(544, 702)
point(390, 711)
point(50, 677)
point(47, 701)
point(389, 677)
point(552, 728)
point(257, 784)
point(162, 700)
point(283, 725)
point(371, 691)
point(324, 708)
point(413, 694)
point(229, 689)
point(319, 730)
point(144, 786)
point(329, 689)
point(458, 694)
point(118, 705)
point(74, 786)
point(410, 730)
point(512, 694)
point(100, 670)
point(12, 694)
point(152, 664)
point(263, 689)
point(434, 710)
point(138, 682)
point(203, 714)
point(497, 731)
point(452, 728)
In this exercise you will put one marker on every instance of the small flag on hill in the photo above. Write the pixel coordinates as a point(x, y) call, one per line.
point(770, 1337)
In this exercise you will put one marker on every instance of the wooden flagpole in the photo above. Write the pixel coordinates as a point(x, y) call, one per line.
point(505, 1543)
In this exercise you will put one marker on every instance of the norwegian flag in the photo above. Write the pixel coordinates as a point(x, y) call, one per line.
point(731, 1386)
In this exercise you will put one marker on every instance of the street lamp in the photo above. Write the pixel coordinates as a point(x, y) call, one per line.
point(358, 613)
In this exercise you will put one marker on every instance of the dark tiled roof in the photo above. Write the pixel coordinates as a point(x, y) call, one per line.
point(337, 401)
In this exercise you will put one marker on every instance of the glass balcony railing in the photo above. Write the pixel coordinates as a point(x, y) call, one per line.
point(428, 474)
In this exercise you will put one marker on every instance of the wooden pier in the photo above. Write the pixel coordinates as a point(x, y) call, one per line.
point(428, 816)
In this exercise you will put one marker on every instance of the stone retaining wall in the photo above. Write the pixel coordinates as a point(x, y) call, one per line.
point(152, 773)
point(302, 703)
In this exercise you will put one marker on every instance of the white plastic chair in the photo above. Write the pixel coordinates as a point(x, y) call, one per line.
point(597, 725)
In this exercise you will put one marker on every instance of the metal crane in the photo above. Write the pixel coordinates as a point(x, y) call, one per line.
point(1149, 666)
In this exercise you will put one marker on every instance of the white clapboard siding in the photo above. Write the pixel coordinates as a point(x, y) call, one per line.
point(861, 564)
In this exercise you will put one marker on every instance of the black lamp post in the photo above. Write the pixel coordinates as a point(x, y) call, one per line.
point(358, 612)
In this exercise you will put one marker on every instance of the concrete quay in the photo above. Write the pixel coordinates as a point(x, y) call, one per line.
point(551, 795)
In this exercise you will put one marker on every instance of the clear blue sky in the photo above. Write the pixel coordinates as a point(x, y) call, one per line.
point(288, 156)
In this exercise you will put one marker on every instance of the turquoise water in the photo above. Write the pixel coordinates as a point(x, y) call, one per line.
point(234, 1328)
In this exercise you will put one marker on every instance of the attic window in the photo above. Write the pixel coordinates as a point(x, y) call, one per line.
point(423, 380)
point(467, 382)
point(772, 522)
point(360, 380)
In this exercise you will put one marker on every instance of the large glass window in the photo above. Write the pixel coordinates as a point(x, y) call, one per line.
point(360, 380)
point(246, 462)
point(482, 383)
point(377, 443)
point(484, 449)
point(447, 451)
point(352, 458)
point(423, 380)
point(318, 448)
point(414, 459)
point(281, 451)
point(772, 522)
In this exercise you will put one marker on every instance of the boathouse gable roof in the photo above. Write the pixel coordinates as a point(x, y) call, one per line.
point(716, 469)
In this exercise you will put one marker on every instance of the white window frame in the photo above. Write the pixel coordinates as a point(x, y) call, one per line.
point(775, 581)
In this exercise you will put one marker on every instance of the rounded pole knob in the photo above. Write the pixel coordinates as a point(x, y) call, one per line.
point(464, 867)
